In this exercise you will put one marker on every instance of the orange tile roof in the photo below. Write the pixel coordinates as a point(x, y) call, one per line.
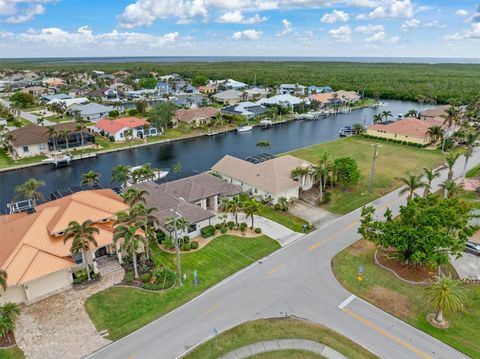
point(322, 97)
point(31, 249)
point(114, 126)
point(408, 126)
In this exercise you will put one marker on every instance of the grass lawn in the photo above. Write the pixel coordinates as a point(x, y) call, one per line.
point(123, 310)
point(470, 197)
point(11, 353)
point(6, 161)
point(393, 162)
point(406, 301)
point(59, 118)
point(284, 218)
point(268, 329)
point(474, 172)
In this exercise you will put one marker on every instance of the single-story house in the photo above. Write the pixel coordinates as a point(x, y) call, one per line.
point(105, 93)
point(233, 85)
point(116, 128)
point(33, 253)
point(271, 178)
point(433, 113)
point(194, 116)
point(229, 97)
point(53, 82)
point(348, 96)
point(291, 89)
point(281, 100)
point(207, 89)
point(318, 89)
point(193, 197)
point(59, 96)
point(91, 111)
point(33, 140)
point(35, 90)
point(256, 93)
point(407, 129)
point(246, 109)
point(189, 101)
point(70, 101)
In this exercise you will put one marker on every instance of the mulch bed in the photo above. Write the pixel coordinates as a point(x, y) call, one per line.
point(8, 340)
point(413, 274)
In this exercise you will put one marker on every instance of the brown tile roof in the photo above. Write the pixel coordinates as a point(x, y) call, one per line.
point(435, 112)
point(193, 114)
point(408, 126)
point(272, 176)
point(35, 134)
point(28, 248)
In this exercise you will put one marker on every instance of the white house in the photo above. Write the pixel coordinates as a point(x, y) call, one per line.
point(291, 89)
point(117, 128)
point(91, 111)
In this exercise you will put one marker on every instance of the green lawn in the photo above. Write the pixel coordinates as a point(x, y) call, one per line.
point(474, 172)
point(268, 329)
point(284, 218)
point(123, 310)
point(470, 197)
point(393, 162)
point(11, 353)
point(6, 161)
point(406, 301)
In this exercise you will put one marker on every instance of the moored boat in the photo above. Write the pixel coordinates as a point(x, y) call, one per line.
point(244, 128)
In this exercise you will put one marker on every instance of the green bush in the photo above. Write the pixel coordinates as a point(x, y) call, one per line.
point(258, 230)
point(231, 224)
point(243, 227)
point(164, 279)
point(129, 276)
point(186, 239)
point(168, 243)
point(244, 224)
point(223, 230)
point(207, 231)
point(277, 207)
point(194, 245)
point(132, 112)
point(186, 247)
point(145, 277)
point(218, 226)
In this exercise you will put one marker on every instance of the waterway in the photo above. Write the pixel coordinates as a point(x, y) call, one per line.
point(197, 154)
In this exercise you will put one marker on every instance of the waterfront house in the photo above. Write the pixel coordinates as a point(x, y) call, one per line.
point(59, 96)
point(33, 140)
point(232, 85)
point(194, 116)
point(318, 89)
point(195, 198)
point(291, 89)
point(116, 129)
point(434, 113)
point(35, 90)
point(91, 111)
point(408, 129)
point(189, 101)
point(246, 109)
point(348, 97)
point(33, 253)
point(229, 97)
point(282, 100)
point(268, 179)
point(70, 101)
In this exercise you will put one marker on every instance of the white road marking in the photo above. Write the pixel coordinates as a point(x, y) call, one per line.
point(347, 301)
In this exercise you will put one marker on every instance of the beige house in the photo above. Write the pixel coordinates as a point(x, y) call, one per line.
point(194, 116)
point(32, 249)
point(271, 178)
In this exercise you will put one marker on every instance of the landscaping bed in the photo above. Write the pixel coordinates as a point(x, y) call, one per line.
point(408, 301)
point(8, 340)
point(278, 328)
point(122, 310)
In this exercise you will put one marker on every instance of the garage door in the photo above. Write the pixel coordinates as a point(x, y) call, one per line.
point(48, 284)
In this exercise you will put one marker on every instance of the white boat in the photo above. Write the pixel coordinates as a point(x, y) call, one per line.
point(157, 174)
point(244, 128)
point(266, 123)
point(58, 159)
point(383, 104)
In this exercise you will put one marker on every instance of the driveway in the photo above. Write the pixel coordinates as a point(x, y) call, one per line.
point(311, 213)
point(467, 266)
point(59, 326)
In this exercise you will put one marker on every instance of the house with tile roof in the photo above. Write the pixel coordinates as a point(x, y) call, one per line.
point(32, 249)
point(90, 111)
point(116, 129)
point(229, 97)
point(435, 113)
point(271, 178)
point(246, 109)
point(194, 116)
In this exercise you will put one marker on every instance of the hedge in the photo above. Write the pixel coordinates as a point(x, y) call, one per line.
point(400, 142)
point(207, 231)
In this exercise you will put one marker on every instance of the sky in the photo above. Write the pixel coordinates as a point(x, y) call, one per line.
point(350, 28)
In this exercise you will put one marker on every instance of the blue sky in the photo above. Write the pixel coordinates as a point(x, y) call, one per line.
point(406, 28)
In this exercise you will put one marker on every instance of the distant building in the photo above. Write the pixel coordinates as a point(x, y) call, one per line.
point(233, 85)
point(246, 109)
point(348, 97)
point(105, 93)
point(229, 97)
point(116, 128)
point(291, 89)
point(434, 113)
point(318, 89)
point(91, 111)
point(256, 93)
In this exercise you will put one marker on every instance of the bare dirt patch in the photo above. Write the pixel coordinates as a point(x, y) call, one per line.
point(8, 340)
point(394, 302)
point(410, 273)
point(361, 247)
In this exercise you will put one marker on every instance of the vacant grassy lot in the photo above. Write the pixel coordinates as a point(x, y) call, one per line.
point(284, 218)
point(268, 329)
point(406, 301)
point(394, 161)
point(123, 310)
point(11, 353)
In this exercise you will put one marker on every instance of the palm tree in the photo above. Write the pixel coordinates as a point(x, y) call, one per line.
point(121, 174)
point(429, 175)
point(129, 136)
point(65, 134)
point(358, 129)
point(53, 134)
point(3, 279)
point(470, 143)
point(29, 190)
point(283, 203)
point(386, 114)
point(412, 113)
point(90, 178)
point(133, 196)
point(145, 215)
point(251, 207)
point(131, 240)
point(446, 296)
point(40, 121)
point(450, 160)
point(378, 118)
point(450, 188)
point(263, 144)
point(412, 183)
point(317, 173)
point(8, 316)
point(234, 206)
point(79, 127)
point(81, 235)
point(435, 133)
point(452, 117)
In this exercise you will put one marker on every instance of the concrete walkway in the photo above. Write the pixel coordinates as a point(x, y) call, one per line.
point(467, 266)
point(283, 344)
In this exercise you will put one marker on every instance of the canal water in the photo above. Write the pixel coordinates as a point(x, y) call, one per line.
point(197, 154)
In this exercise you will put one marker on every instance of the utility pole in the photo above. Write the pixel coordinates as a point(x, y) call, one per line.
point(375, 146)
point(177, 249)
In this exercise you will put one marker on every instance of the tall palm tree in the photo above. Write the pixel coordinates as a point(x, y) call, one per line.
point(435, 133)
point(450, 188)
point(470, 143)
point(446, 296)
point(263, 144)
point(133, 196)
point(90, 178)
point(121, 174)
point(130, 240)
point(378, 118)
point(452, 117)
point(430, 175)
point(82, 236)
point(386, 114)
point(412, 183)
point(145, 215)
point(80, 127)
point(3, 279)
point(52, 133)
point(29, 190)
point(234, 206)
point(251, 207)
point(65, 134)
point(317, 173)
point(450, 160)
point(411, 113)
point(358, 129)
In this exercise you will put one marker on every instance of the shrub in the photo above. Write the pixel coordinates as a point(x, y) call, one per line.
point(129, 277)
point(132, 112)
point(231, 224)
point(168, 243)
point(145, 277)
point(258, 230)
point(194, 245)
point(223, 230)
point(186, 247)
point(165, 278)
point(277, 207)
point(243, 224)
point(114, 113)
point(186, 239)
point(243, 227)
point(207, 231)
point(218, 226)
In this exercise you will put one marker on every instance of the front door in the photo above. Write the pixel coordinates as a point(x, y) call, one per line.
point(100, 252)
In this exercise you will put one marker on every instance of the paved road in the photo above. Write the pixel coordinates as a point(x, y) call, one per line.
point(27, 115)
point(297, 280)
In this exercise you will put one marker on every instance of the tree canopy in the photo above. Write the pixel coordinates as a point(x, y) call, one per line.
point(148, 83)
point(22, 99)
point(161, 114)
point(346, 171)
point(199, 80)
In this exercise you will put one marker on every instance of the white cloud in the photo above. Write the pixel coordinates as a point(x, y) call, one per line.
point(20, 11)
point(376, 38)
point(409, 25)
point(434, 24)
point(391, 9)
point(466, 34)
point(333, 17)
point(462, 13)
point(368, 29)
point(286, 28)
point(236, 17)
point(249, 34)
point(342, 34)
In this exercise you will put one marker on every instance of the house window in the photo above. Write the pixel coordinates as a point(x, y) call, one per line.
point(25, 148)
point(78, 258)
point(121, 134)
point(41, 146)
point(192, 228)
